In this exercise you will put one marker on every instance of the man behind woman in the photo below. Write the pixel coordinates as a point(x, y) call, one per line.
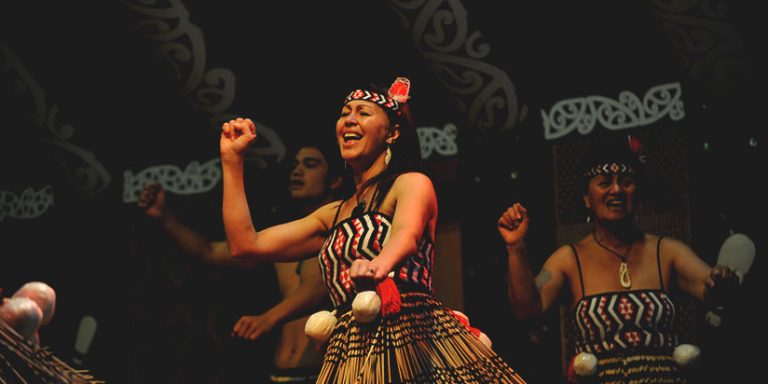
point(314, 179)
point(386, 226)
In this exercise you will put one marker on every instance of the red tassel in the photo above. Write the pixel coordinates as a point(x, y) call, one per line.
point(571, 372)
point(390, 297)
point(475, 331)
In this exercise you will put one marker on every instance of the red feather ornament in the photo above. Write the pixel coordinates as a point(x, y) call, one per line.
point(400, 89)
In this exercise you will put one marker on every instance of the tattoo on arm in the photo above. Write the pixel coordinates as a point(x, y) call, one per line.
point(543, 277)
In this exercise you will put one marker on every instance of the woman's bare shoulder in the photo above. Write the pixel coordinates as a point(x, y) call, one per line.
point(326, 213)
point(413, 178)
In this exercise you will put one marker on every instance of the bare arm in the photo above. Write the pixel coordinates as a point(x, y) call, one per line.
point(306, 298)
point(303, 300)
point(415, 209)
point(528, 296)
point(152, 200)
point(193, 243)
point(521, 285)
point(695, 277)
point(284, 242)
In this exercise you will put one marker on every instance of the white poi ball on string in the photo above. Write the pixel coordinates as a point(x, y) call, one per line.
point(23, 315)
point(738, 254)
point(686, 355)
point(485, 340)
point(320, 325)
point(366, 307)
point(585, 364)
point(42, 294)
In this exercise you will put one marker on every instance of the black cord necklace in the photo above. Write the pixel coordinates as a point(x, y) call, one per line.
point(624, 278)
point(361, 205)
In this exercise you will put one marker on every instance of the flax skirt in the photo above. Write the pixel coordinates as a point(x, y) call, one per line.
point(424, 343)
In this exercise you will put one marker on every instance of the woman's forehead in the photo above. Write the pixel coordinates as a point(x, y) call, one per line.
point(358, 104)
point(618, 175)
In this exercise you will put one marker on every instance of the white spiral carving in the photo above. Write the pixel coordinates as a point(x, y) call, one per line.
point(195, 178)
point(441, 31)
point(582, 114)
point(83, 169)
point(711, 47)
point(181, 45)
point(29, 205)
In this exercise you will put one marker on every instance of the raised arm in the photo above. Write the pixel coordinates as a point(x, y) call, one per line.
point(285, 242)
point(528, 296)
point(695, 277)
point(152, 200)
point(415, 211)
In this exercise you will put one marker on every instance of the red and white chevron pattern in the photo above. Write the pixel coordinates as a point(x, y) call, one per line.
point(374, 97)
point(363, 237)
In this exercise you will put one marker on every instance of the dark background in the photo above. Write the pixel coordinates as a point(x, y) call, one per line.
point(164, 318)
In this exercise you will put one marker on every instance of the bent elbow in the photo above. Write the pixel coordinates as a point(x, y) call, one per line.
point(249, 256)
point(237, 252)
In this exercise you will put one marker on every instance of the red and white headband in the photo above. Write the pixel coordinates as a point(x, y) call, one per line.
point(396, 96)
point(609, 169)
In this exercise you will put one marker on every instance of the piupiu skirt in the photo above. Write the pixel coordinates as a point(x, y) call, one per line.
point(424, 343)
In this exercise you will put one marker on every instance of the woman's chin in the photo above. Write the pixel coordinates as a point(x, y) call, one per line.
point(618, 220)
point(352, 157)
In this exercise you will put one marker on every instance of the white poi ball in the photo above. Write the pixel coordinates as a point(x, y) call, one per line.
point(485, 340)
point(737, 253)
point(320, 325)
point(23, 315)
point(42, 294)
point(366, 306)
point(585, 364)
point(686, 355)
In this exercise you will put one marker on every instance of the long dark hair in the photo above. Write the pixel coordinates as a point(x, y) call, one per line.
point(406, 152)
